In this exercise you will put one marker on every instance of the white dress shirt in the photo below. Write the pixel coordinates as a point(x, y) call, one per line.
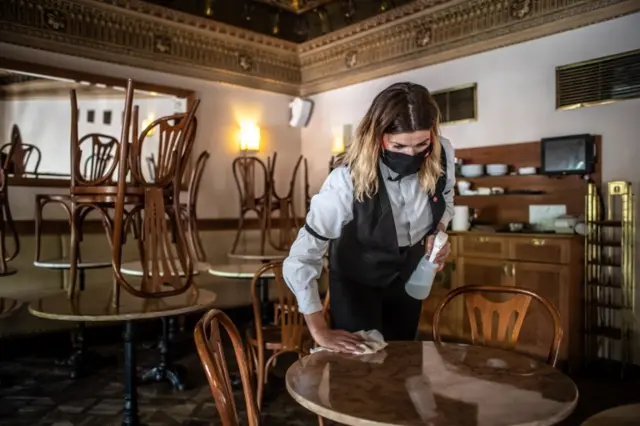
point(332, 208)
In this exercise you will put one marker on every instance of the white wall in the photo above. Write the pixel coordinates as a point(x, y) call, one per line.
point(516, 101)
point(46, 123)
point(222, 108)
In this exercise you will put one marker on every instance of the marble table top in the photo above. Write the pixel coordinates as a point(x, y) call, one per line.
point(421, 383)
point(135, 268)
point(624, 415)
point(94, 305)
point(258, 257)
point(66, 264)
point(239, 271)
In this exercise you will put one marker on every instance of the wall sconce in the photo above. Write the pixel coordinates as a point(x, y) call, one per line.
point(147, 122)
point(337, 146)
point(249, 137)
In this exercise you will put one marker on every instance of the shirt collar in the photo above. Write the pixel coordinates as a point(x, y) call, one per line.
point(386, 171)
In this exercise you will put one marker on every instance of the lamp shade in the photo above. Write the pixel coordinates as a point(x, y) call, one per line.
point(249, 137)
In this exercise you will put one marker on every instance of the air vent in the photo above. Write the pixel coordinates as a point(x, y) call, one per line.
point(457, 104)
point(599, 81)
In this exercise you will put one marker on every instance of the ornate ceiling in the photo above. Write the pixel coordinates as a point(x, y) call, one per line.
point(292, 20)
point(410, 35)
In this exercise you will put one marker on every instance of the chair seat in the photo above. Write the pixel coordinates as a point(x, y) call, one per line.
point(272, 336)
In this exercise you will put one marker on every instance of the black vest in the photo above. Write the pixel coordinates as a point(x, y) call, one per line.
point(367, 250)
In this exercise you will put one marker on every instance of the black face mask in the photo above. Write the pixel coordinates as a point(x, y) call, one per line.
point(404, 164)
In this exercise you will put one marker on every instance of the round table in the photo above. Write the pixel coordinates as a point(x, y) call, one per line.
point(246, 271)
point(166, 369)
point(265, 258)
point(625, 415)
point(135, 268)
point(418, 383)
point(94, 305)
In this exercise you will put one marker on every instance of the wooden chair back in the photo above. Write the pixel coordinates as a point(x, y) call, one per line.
point(509, 315)
point(100, 162)
point(6, 221)
point(20, 156)
point(175, 135)
point(245, 171)
point(288, 227)
point(211, 352)
point(195, 243)
point(288, 318)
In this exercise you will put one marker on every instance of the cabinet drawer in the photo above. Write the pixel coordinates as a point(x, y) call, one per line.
point(486, 246)
point(540, 249)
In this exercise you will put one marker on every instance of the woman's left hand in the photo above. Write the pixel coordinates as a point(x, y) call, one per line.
point(442, 255)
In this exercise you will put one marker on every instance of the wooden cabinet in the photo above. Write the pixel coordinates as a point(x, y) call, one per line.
point(550, 265)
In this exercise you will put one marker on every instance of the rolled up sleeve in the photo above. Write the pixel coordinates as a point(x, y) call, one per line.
point(449, 191)
point(330, 210)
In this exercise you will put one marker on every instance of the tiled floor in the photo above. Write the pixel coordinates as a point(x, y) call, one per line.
point(34, 392)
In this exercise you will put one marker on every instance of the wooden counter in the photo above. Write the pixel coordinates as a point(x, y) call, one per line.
point(549, 264)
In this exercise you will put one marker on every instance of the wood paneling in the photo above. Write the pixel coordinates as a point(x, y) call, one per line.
point(501, 209)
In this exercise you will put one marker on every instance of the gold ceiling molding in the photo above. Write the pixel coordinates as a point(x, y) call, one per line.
point(296, 6)
point(418, 34)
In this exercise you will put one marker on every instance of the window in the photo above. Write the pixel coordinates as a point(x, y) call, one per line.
point(91, 116)
point(457, 104)
point(598, 81)
point(106, 117)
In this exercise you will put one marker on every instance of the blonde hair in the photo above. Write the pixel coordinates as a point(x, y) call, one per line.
point(400, 108)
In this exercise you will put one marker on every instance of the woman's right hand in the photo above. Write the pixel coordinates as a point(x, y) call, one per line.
point(337, 340)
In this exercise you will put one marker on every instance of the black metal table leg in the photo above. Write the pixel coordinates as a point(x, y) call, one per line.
point(78, 354)
point(165, 370)
point(130, 416)
point(82, 361)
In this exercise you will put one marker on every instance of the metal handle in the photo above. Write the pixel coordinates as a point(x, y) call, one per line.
point(537, 242)
point(505, 269)
point(513, 269)
point(483, 239)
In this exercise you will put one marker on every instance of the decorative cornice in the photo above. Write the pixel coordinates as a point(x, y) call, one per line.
point(444, 32)
point(418, 34)
point(138, 34)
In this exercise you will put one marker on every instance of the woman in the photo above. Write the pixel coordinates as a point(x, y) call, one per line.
point(393, 190)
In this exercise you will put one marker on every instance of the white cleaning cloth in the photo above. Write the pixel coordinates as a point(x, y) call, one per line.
point(372, 343)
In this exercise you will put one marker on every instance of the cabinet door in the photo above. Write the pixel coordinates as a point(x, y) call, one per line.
point(473, 271)
point(443, 283)
point(549, 281)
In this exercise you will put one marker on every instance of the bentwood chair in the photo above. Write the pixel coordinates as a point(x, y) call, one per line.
point(510, 315)
point(20, 158)
point(248, 172)
point(287, 334)
point(6, 220)
point(210, 350)
point(188, 211)
point(288, 227)
point(168, 269)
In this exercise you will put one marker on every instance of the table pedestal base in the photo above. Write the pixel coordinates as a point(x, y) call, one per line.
point(81, 361)
point(130, 416)
point(8, 271)
point(165, 370)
